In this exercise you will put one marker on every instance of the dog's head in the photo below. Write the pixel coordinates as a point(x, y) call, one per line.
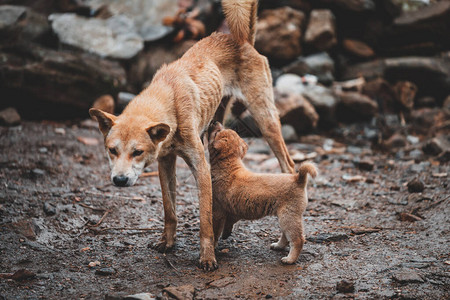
point(131, 144)
point(225, 143)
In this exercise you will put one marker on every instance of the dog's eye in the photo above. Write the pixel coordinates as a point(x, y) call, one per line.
point(137, 153)
point(113, 151)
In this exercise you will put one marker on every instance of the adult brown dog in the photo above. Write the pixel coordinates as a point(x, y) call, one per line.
point(167, 119)
point(241, 194)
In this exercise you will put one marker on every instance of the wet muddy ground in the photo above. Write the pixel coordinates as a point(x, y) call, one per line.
point(75, 236)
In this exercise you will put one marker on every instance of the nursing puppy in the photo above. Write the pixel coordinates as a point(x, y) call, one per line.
point(167, 119)
point(241, 194)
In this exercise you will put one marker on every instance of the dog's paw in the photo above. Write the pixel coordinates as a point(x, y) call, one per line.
point(208, 264)
point(285, 260)
point(162, 246)
point(277, 247)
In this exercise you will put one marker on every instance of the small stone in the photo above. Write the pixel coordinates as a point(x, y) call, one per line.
point(366, 164)
point(395, 141)
point(105, 271)
point(43, 150)
point(104, 103)
point(183, 292)
point(88, 140)
point(35, 173)
point(220, 283)
point(356, 178)
point(435, 146)
point(49, 209)
point(409, 217)
point(9, 117)
point(358, 48)
point(22, 275)
point(345, 286)
point(60, 131)
point(328, 237)
point(94, 264)
point(407, 276)
point(141, 296)
point(415, 186)
point(269, 296)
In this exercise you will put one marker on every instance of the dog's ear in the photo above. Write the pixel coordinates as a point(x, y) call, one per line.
point(158, 132)
point(104, 119)
point(243, 147)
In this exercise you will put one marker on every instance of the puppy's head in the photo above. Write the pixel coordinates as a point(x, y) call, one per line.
point(131, 144)
point(225, 143)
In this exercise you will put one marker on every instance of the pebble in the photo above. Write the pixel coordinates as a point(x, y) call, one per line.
point(220, 283)
point(415, 186)
point(345, 286)
point(105, 271)
point(94, 264)
point(366, 164)
point(37, 173)
point(409, 217)
point(141, 296)
point(60, 131)
point(9, 117)
point(407, 276)
point(183, 292)
point(49, 209)
point(22, 275)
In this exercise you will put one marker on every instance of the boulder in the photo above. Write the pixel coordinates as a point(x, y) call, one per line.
point(296, 111)
point(430, 74)
point(279, 33)
point(320, 65)
point(54, 84)
point(145, 65)
point(352, 5)
point(290, 83)
point(21, 23)
point(324, 101)
point(115, 37)
point(430, 26)
point(321, 30)
point(354, 106)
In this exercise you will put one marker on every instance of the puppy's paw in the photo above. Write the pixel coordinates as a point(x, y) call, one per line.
point(285, 260)
point(208, 264)
point(277, 247)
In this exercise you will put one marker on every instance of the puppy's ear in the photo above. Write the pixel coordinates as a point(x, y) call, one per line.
point(104, 119)
point(158, 132)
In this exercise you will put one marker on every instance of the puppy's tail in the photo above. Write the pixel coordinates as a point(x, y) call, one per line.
point(241, 19)
point(305, 169)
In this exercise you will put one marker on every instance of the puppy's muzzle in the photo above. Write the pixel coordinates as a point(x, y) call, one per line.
point(213, 129)
point(120, 180)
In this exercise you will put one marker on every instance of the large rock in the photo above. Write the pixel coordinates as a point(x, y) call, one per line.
point(21, 23)
point(51, 84)
point(430, 25)
point(321, 30)
point(146, 64)
point(430, 74)
point(320, 65)
point(353, 5)
point(146, 15)
point(296, 111)
point(354, 106)
point(324, 101)
point(279, 33)
point(115, 37)
point(290, 83)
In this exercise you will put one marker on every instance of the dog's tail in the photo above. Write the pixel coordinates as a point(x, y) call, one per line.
point(241, 19)
point(305, 169)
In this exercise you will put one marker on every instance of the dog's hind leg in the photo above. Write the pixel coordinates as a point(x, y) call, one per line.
point(166, 170)
point(263, 110)
point(228, 228)
point(281, 244)
point(292, 227)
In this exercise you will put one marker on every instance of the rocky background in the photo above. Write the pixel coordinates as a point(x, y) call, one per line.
point(362, 88)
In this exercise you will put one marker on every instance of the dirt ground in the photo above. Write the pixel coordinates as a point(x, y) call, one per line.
point(59, 213)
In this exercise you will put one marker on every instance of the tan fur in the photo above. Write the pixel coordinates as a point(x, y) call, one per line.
point(167, 119)
point(241, 18)
point(241, 194)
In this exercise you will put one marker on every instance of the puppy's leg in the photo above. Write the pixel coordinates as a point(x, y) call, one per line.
point(218, 224)
point(166, 170)
point(292, 227)
point(228, 228)
point(195, 158)
point(281, 244)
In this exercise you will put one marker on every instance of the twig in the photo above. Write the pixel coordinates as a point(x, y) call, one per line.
point(169, 263)
point(90, 207)
point(129, 228)
point(149, 174)
point(101, 220)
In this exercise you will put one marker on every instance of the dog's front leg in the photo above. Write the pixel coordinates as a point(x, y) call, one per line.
point(197, 162)
point(166, 168)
